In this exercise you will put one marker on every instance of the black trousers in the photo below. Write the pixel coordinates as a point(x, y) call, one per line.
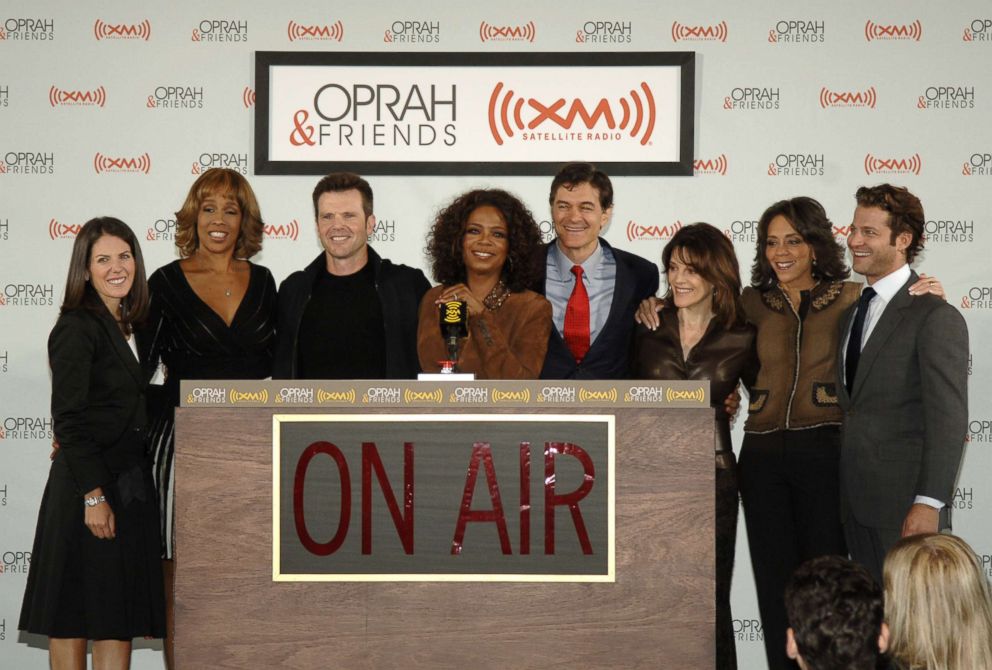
point(870, 545)
point(727, 504)
point(790, 488)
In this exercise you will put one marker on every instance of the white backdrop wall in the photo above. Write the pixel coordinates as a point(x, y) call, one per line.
point(113, 108)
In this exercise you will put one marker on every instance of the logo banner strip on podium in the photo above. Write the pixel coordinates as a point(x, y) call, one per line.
point(385, 393)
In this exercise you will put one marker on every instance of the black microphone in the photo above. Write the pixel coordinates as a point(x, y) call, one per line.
point(453, 316)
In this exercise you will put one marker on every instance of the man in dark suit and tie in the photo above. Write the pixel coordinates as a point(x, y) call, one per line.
point(593, 288)
point(903, 372)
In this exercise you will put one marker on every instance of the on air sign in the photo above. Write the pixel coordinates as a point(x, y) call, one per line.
point(473, 113)
point(435, 497)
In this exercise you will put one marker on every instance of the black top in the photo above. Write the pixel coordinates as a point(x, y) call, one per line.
point(194, 342)
point(328, 351)
point(721, 356)
point(399, 288)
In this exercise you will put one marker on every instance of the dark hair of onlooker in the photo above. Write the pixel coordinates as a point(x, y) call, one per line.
point(712, 256)
point(905, 213)
point(809, 219)
point(574, 174)
point(336, 182)
point(79, 292)
point(217, 182)
point(835, 611)
point(444, 241)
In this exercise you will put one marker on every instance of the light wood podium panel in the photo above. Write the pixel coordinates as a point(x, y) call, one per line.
point(659, 613)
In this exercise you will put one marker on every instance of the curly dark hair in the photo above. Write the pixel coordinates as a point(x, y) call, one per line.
point(905, 213)
point(835, 611)
point(444, 241)
point(810, 220)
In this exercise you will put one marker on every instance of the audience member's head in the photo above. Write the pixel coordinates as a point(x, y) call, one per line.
point(835, 616)
point(937, 605)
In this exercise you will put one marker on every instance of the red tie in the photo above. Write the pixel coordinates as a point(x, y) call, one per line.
point(577, 318)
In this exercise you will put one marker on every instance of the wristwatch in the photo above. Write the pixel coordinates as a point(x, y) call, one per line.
point(93, 501)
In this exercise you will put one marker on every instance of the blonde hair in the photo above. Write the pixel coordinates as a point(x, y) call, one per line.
point(938, 605)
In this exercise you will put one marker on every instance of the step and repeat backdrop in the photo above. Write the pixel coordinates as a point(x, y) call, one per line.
point(114, 109)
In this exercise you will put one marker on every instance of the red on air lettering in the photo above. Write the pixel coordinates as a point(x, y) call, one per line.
point(403, 517)
point(525, 497)
point(404, 523)
point(481, 451)
point(314, 547)
point(370, 461)
point(553, 499)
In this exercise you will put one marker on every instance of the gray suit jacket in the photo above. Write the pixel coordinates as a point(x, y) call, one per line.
point(906, 417)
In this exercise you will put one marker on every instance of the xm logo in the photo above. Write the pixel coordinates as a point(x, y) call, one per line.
point(508, 112)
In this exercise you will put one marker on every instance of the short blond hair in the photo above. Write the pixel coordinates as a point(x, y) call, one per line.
point(937, 604)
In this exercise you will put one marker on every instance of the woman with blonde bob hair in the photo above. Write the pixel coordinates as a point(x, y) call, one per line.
point(938, 605)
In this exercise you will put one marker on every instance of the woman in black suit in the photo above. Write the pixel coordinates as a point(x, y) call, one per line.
point(95, 570)
point(700, 333)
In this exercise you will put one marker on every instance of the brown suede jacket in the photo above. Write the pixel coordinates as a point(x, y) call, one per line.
point(509, 343)
point(797, 383)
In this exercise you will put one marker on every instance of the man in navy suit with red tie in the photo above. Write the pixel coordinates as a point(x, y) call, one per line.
point(593, 288)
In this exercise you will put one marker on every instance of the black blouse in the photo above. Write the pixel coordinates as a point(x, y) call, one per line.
point(193, 340)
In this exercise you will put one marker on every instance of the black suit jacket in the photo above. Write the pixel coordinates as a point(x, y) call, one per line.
point(608, 355)
point(98, 401)
point(906, 417)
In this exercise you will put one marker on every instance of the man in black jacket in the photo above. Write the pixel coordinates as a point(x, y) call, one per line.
point(593, 288)
point(350, 314)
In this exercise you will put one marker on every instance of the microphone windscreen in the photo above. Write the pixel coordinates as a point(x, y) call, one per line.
point(453, 318)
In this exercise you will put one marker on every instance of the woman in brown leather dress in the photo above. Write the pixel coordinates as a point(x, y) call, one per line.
point(702, 335)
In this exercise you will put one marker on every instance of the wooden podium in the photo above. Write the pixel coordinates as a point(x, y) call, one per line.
point(657, 612)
